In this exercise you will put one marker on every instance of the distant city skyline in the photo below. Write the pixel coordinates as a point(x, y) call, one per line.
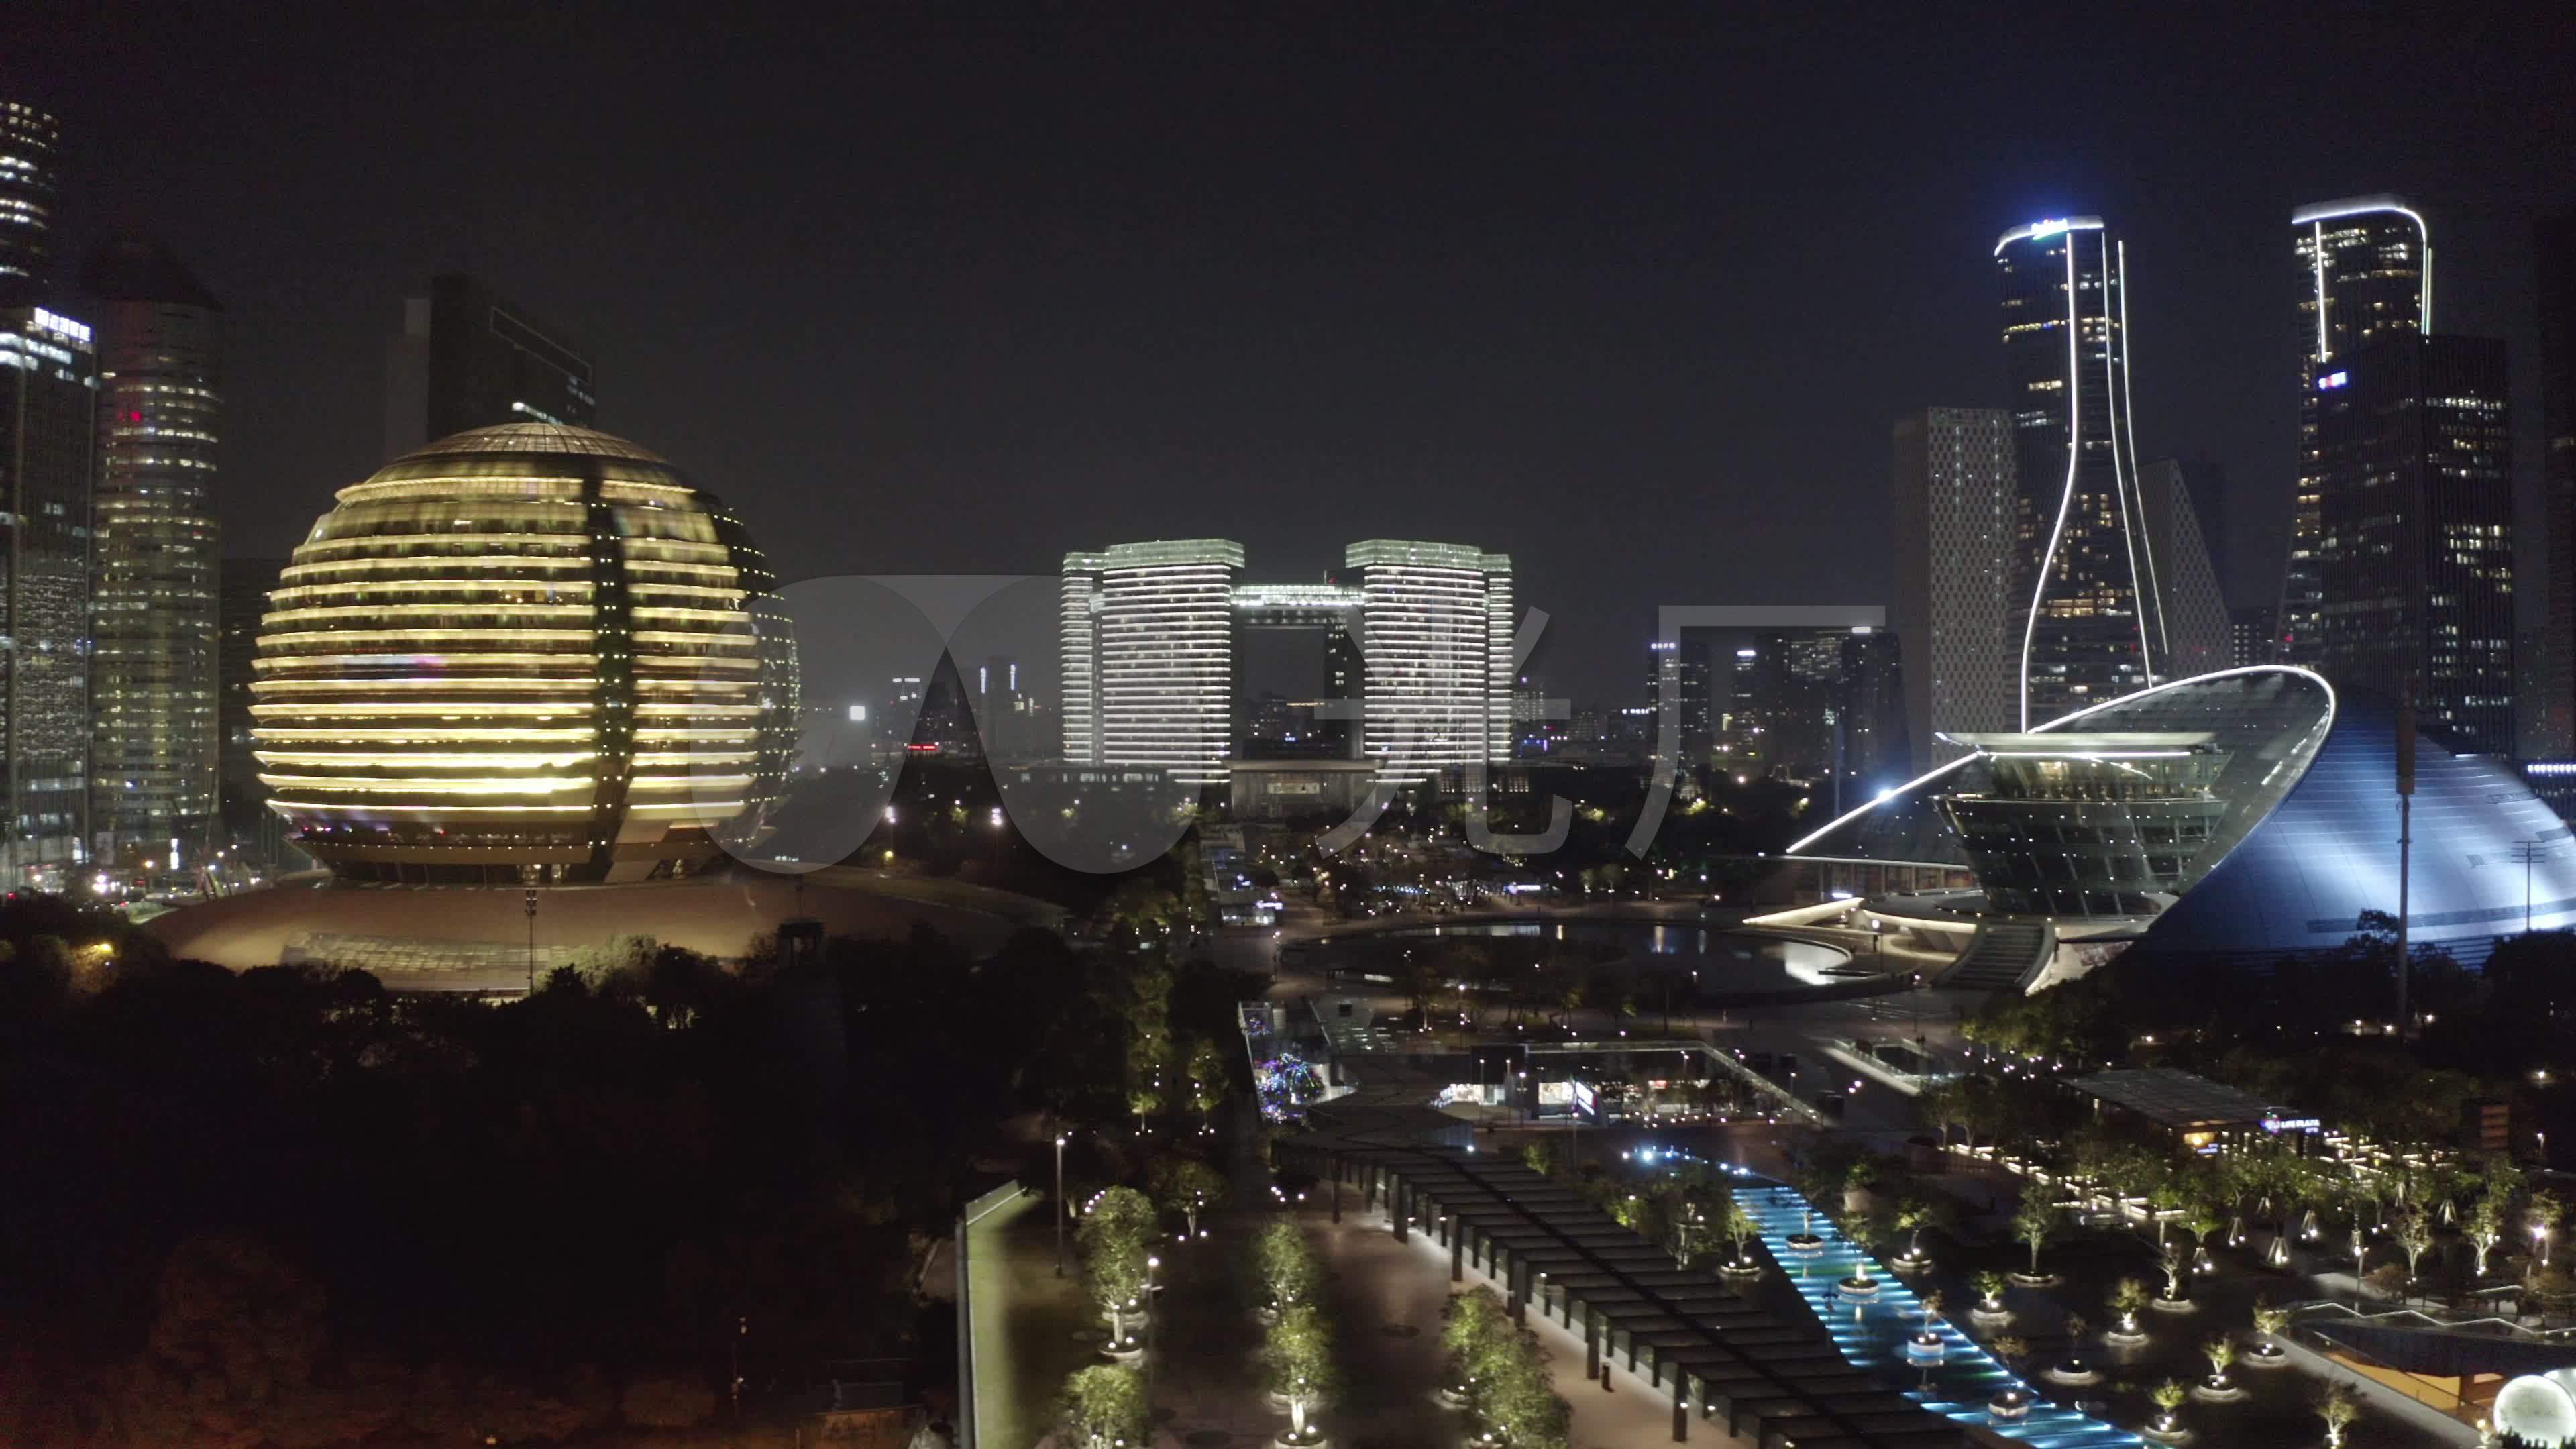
point(1655, 363)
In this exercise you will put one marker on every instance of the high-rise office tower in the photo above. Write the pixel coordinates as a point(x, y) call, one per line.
point(1825, 705)
point(1151, 628)
point(1434, 635)
point(467, 357)
point(2179, 527)
point(29, 139)
point(1953, 576)
point(1678, 670)
point(2557, 278)
point(2365, 271)
point(48, 434)
point(1078, 655)
point(241, 598)
point(155, 753)
point(2415, 546)
point(2086, 626)
point(2253, 635)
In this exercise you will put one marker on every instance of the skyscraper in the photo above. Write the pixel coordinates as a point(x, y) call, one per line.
point(2179, 526)
point(241, 601)
point(1953, 575)
point(2085, 625)
point(48, 431)
point(2253, 635)
point(2557, 278)
point(1154, 636)
point(2416, 541)
point(155, 740)
point(1678, 669)
point(1434, 627)
point(467, 357)
point(2365, 271)
point(29, 139)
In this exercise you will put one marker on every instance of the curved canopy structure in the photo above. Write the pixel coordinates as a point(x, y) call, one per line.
point(2246, 813)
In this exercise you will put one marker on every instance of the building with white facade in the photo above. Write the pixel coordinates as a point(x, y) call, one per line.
point(1418, 642)
point(1158, 645)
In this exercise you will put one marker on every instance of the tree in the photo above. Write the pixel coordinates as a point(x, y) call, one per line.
point(2176, 1262)
point(1740, 1225)
point(1990, 1290)
point(1206, 1076)
point(2270, 1322)
point(1187, 1186)
point(1285, 1263)
point(1121, 1215)
point(2485, 1226)
point(1298, 1355)
point(2011, 1348)
point(2168, 1397)
point(2033, 1221)
point(1474, 1327)
point(2414, 1234)
point(1105, 1405)
point(2127, 1297)
point(1116, 1272)
point(2220, 1350)
point(2339, 1408)
point(1913, 1215)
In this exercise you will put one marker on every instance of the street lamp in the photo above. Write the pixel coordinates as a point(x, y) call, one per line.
point(1062, 1208)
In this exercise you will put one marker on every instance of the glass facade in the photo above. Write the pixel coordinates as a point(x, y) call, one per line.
point(155, 747)
point(524, 652)
point(48, 425)
point(2416, 451)
point(2365, 272)
point(2086, 622)
point(29, 139)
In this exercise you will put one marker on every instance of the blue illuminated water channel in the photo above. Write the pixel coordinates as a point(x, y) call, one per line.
point(1873, 1335)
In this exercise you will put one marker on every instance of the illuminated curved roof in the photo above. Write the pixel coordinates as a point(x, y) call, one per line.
point(2308, 839)
point(536, 438)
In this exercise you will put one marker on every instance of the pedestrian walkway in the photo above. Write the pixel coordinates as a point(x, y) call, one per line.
point(1030, 1328)
point(1631, 1414)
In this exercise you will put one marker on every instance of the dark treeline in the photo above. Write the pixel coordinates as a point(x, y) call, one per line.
point(287, 1207)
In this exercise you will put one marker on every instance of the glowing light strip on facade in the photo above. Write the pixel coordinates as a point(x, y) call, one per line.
point(2146, 542)
point(2325, 211)
point(2066, 500)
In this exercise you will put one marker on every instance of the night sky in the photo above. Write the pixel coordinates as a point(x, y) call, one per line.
point(1635, 302)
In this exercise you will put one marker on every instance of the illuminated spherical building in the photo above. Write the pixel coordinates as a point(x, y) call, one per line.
point(524, 653)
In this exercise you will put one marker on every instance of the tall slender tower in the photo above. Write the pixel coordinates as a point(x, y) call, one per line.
point(2365, 271)
point(28, 141)
point(2416, 444)
point(48, 432)
point(1953, 576)
point(2557, 278)
point(2086, 623)
point(154, 543)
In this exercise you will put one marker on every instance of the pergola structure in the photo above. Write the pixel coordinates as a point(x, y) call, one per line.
point(1767, 1377)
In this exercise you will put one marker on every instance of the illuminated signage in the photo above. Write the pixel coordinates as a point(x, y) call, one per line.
point(2291, 1124)
point(63, 325)
point(2051, 227)
point(2333, 379)
point(858, 714)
